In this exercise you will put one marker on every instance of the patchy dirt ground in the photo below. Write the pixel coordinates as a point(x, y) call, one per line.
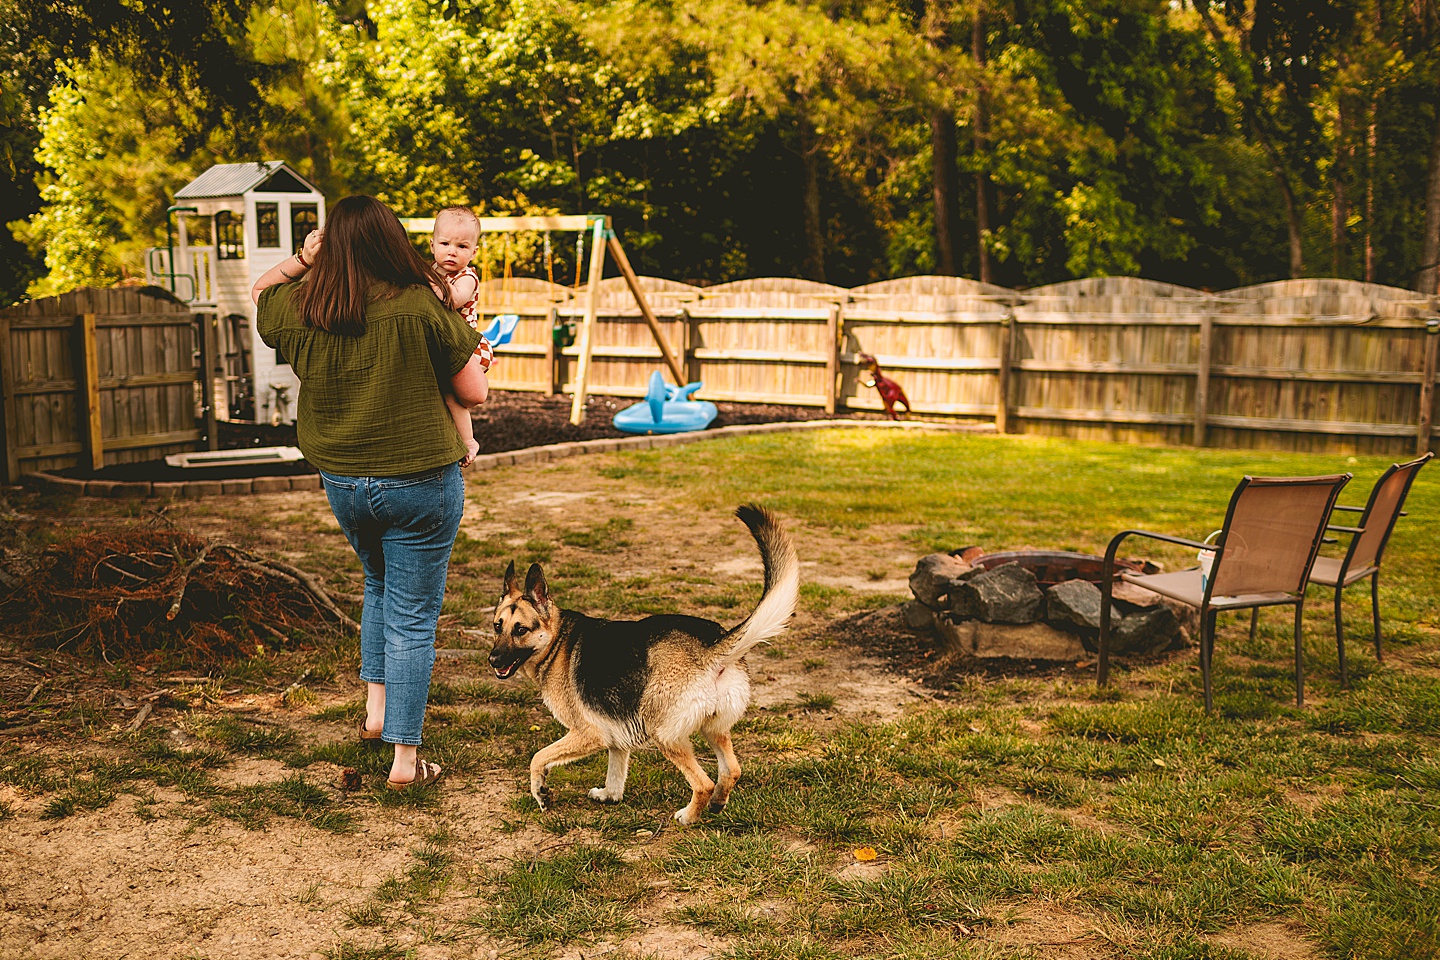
point(146, 875)
point(141, 878)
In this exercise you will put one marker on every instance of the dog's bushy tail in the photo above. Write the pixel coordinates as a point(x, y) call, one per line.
point(782, 584)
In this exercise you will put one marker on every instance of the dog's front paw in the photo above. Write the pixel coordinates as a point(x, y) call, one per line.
point(716, 804)
point(542, 796)
point(686, 817)
point(603, 795)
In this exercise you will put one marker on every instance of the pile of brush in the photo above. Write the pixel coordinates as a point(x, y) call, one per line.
point(136, 590)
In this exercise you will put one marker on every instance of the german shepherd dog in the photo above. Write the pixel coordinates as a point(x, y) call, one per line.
point(619, 684)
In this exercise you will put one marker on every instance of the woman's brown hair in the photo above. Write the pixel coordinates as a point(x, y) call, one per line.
point(365, 246)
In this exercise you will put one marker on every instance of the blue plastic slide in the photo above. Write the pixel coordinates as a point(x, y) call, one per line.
point(666, 409)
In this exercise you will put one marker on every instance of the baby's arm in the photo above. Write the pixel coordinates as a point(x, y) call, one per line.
point(462, 289)
point(461, 415)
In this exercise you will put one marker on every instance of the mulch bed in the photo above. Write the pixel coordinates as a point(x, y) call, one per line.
point(509, 420)
point(515, 420)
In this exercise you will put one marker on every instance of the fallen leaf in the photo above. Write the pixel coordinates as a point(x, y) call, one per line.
point(865, 854)
point(1159, 762)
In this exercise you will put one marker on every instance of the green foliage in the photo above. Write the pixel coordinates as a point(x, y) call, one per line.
point(1183, 142)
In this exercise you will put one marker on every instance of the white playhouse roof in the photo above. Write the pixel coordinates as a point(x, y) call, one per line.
point(237, 179)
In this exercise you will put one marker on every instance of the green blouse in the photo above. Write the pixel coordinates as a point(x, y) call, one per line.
point(372, 405)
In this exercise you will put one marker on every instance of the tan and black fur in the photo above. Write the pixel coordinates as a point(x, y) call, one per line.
point(619, 684)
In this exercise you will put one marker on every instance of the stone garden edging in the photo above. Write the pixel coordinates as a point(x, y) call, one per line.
point(196, 489)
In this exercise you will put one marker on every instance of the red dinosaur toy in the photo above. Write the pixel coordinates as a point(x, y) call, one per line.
point(890, 391)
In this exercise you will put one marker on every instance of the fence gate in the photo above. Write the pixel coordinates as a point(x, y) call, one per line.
point(99, 377)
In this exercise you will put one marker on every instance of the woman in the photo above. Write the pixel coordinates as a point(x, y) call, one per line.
point(372, 345)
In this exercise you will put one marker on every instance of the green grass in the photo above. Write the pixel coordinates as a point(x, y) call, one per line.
point(574, 895)
point(1150, 825)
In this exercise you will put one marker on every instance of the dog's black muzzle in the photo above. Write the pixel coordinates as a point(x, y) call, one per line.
point(506, 662)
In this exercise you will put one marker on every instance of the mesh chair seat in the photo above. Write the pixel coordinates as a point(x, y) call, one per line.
point(1327, 572)
point(1187, 587)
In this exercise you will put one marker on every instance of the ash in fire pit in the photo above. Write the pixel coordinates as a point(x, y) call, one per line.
point(1033, 605)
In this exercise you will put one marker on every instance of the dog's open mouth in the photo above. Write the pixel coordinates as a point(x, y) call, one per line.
point(504, 670)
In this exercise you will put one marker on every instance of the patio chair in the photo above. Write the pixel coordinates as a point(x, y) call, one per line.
point(1367, 547)
point(1272, 533)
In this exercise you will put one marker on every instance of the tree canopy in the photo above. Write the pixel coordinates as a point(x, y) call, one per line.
point(1017, 141)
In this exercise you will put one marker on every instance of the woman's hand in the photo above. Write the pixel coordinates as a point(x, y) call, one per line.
point(311, 247)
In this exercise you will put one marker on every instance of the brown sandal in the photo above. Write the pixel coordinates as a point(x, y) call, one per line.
point(371, 740)
point(425, 773)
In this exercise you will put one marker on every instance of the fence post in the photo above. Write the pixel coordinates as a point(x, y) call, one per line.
point(212, 369)
point(692, 343)
point(1002, 386)
point(88, 380)
point(1427, 386)
point(7, 396)
point(1202, 379)
point(832, 357)
point(552, 366)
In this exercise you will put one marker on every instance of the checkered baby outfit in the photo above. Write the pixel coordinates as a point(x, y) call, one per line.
point(470, 314)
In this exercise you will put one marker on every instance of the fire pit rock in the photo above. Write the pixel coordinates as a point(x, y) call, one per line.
point(1033, 605)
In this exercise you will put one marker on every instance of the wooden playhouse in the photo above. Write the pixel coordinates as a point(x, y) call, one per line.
point(227, 227)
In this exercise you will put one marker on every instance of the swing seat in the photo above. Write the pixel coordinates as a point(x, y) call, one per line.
point(501, 330)
point(666, 409)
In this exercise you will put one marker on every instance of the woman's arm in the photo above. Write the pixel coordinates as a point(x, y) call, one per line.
point(470, 384)
point(290, 269)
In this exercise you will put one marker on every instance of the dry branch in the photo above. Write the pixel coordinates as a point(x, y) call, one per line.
point(184, 579)
point(317, 591)
point(140, 718)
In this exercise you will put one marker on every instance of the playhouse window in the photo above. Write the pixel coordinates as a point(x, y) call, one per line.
point(229, 236)
point(304, 217)
point(267, 225)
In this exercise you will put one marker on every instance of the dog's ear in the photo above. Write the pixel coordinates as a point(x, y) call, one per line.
point(511, 589)
point(535, 589)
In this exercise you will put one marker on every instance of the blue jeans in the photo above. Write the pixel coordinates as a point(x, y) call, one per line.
point(402, 529)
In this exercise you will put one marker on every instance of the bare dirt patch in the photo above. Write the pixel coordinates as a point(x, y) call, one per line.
point(153, 874)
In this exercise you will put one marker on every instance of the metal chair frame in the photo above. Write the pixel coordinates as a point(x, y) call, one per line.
point(1210, 607)
point(1345, 576)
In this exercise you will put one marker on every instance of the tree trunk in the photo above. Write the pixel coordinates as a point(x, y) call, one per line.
point(1292, 220)
point(1370, 198)
point(1429, 279)
point(1339, 203)
point(983, 187)
point(946, 183)
point(810, 201)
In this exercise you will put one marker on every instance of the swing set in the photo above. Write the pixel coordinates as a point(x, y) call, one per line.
point(602, 239)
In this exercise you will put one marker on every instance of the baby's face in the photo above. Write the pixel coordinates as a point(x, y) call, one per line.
point(453, 243)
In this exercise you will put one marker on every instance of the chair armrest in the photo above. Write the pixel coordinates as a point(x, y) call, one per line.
point(1337, 529)
point(1107, 574)
point(1348, 509)
point(1198, 545)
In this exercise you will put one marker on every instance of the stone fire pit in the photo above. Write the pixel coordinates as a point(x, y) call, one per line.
point(1034, 605)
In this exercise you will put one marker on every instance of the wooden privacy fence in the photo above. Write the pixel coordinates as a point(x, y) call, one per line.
point(1321, 365)
point(97, 377)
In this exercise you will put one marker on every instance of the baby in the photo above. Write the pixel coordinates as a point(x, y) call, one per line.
point(453, 242)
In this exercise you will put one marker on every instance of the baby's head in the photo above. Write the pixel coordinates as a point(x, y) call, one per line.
point(456, 235)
